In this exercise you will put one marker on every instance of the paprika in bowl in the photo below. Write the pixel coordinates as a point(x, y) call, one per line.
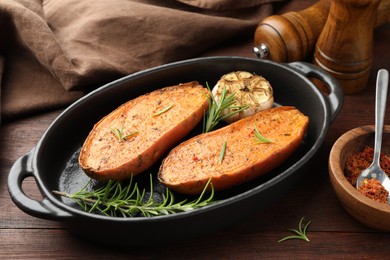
point(362, 206)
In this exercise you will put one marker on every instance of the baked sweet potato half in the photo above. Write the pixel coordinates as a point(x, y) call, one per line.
point(137, 134)
point(235, 153)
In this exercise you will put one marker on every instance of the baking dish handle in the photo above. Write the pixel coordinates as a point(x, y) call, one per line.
point(45, 209)
point(335, 97)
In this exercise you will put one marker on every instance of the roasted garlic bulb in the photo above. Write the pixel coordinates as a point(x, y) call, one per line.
point(250, 90)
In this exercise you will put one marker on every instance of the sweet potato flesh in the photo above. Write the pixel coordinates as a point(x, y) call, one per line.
point(189, 166)
point(154, 122)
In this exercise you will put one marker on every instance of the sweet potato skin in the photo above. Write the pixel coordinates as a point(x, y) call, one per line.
point(105, 157)
point(189, 166)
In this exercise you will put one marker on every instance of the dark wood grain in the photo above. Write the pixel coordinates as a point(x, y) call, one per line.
point(333, 233)
point(345, 45)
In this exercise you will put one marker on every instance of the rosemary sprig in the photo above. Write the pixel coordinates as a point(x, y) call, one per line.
point(260, 138)
point(300, 232)
point(163, 110)
point(222, 153)
point(118, 132)
point(114, 199)
point(214, 115)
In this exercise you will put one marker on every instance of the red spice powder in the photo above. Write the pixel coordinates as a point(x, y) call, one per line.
point(358, 162)
point(374, 190)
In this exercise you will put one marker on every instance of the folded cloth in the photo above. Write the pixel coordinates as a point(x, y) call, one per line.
point(53, 51)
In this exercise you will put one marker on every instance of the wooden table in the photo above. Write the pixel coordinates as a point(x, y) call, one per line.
point(332, 233)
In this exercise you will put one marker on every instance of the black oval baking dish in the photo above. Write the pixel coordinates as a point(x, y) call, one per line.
point(49, 161)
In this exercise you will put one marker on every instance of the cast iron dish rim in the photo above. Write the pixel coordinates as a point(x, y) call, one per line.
point(231, 200)
point(338, 172)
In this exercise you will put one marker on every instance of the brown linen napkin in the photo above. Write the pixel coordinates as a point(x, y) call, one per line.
point(53, 51)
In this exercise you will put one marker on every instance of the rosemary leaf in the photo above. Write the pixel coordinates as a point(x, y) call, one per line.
point(214, 114)
point(163, 110)
point(118, 132)
point(260, 138)
point(222, 153)
point(300, 232)
point(114, 199)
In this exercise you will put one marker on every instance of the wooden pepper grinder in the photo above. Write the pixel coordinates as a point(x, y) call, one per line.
point(345, 46)
point(290, 36)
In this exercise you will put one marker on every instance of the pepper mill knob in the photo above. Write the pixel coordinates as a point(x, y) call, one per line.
point(345, 46)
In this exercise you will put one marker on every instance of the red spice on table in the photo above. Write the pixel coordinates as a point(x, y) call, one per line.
point(359, 161)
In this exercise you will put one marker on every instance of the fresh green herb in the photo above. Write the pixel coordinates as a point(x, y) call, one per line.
point(163, 110)
point(114, 199)
point(214, 115)
point(118, 132)
point(222, 153)
point(300, 232)
point(260, 138)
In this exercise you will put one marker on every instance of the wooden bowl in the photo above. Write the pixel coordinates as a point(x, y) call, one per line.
point(367, 211)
